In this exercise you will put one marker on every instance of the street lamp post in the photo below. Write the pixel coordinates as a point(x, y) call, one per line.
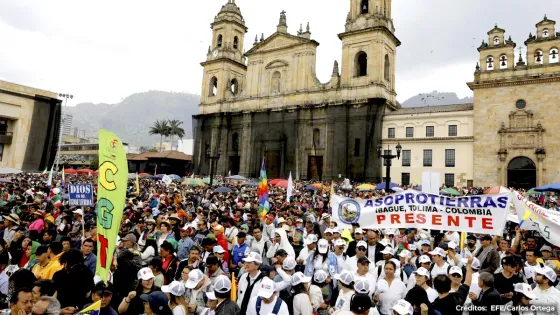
point(212, 158)
point(65, 97)
point(388, 156)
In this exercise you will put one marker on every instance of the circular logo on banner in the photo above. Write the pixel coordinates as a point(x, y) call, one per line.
point(349, 211)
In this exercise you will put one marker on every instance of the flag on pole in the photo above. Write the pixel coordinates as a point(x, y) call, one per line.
point(93, 308)
point(155, 171)
point(45, 171)
point(463, 240)
point(290, 188)
point(233, 287)
point(331, 195)
point(49, 179)
point(262, 193)
point(63, 176)
point(137, 185)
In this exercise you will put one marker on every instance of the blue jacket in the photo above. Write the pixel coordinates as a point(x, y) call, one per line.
point(238, 253)
point(90, 261)
point(310, 267)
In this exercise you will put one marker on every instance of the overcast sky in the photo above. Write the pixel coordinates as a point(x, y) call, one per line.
point(103, 51)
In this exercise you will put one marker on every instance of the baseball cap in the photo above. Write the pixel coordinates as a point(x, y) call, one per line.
point(145, 274)
point(486, 237)
point(267, 288)
point(218, 227)
point(359, 303)
point(405, 253)
point(471, 237)
point(508, 260)
point(361, 286)
point(402, 307)
point(79, 211)
point(547, 272)
point(336, 230)
point(411, 247)
point(452, 245)
point(176, 288)
point(424, 259)
point(328, 230)
point(388, 250)
point(320, 276)
point(211, 296)
point(525, 289)
point(475, 263)
point(423, 272)
point(385, 242)
point(424, 242)
point(311, 238)
point(299, 277)
point(339, 242)
point(218, 249)
point(437, 251)
point(454, 270)
point(344, 277)
point(222, 284)
point(194, 278)
point(363, 259)
point(253, 257)
point(129, 237)
point(546, 248)
point(358, 231)
point(157, 299)
point(289, 263)
point(361, 243)
point(323, 246)
point(325, 215)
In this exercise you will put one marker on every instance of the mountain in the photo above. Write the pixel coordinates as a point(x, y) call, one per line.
point(132, 118)
point(435, 98)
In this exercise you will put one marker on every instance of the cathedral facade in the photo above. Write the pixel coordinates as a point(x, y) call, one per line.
point(267, 101)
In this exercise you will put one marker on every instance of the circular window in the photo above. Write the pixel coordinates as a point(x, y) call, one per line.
point(520, 104)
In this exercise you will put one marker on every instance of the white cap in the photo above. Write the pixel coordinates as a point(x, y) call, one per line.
point(344, 277)
point(361, 286)
point(281, 220)
point(424, 242)
point(253, 257)
point(402, 307)
point(452, 245)
point(218, 249)
point(336, 229)
point(385, 242)
point(298, 278)
point(328, 230)
point(323, 246)
point(525, 289)
point(211, 296)
point(320, 276)
point(289, 263)
point(547, 272)
point(361, 243)
point(176, 288)
point(267, 288)
point(339, 242)
point(222, 284)
point(325, 215)
point(411, 247)
point(438, 251)
point(423, 272)
point(358, 231)
point(388, 250)
point(424, 259)
point(455, 269)
point(145, 274)
point(475, 263)
point(405, 253)
point(79, 211)
point(194, 278)
point(311, 238)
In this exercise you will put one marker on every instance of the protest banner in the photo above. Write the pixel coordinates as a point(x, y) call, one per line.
point(413, 209)
point(166, 180)
point(537, 218)
point(111, 195)
point(80, 195)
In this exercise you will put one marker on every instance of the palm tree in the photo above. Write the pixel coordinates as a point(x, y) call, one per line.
point(160, 128)
point(175, 130)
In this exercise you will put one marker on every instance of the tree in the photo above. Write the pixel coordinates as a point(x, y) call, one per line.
point(175, 130)
point(94, 162)
point(160, 128)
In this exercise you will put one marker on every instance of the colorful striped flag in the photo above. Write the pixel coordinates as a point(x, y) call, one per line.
point(262, 193)
point(45, 171)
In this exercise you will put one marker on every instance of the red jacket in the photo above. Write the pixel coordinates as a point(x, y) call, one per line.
point(223, 242)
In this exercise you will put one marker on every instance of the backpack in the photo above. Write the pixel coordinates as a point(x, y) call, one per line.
point(276, 308)
point(287, 296)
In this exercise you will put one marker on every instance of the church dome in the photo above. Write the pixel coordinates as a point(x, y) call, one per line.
point(230, 7)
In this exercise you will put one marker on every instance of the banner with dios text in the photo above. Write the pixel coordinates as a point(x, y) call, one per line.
point(414, 209)
point(111, 195)
point(537, 218)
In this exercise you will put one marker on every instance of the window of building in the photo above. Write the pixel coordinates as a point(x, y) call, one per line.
point(3, 126)
point(429, 131)
point(520, 104)
point(1, 151)
point(364, 6)
point(405, 179)
point(234, 86)
point(316, 137)
point(219, 44)
point(490, 63)
point(410, 132)
point(387, 71)
point(449, 180)
point(406, 157)
point(452, 131)
point(391, 133)
point(503, 62)
point(496, 40)
point(449, 157)
point(428, 157)
point(361, 64)
point(235, 142)
point(545, 33)
point(276, 80)
point(539, 57)
point(553, 55)
point(235, 42)
point(357, 147)
point(213, 90)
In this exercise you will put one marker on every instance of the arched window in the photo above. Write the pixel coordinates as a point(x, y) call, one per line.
point(275, 82)
point(490, 63)
point(545, 33)
point(219, 41)
point(496, 40)
point(235, 42)
point(361, 64)
point(387, 72)
point(213, 89)
point(235, 142)
point(316, 137)
point(503, 62)
point(234, 86)
point(553, 55)
point(539, 57)
point(364, 6)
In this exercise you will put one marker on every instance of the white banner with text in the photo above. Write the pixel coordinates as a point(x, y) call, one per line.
point(537, 218)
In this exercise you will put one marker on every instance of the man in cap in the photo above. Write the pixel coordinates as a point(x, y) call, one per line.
point(546, 292)
point(506, 279)
point(268, 226)
point(324, 223)
point(352, 262)
point(310, 243)
point(240, 250)
point(249, 282)
point(212, 268)
point(447, 301)
point(487, 255)
point(363, 273)
point(12, 222)
point(196, 286)
point(440, 266)
point(222, 290)
point(103, 293)
point(453, 258)
point(267, 302)
point(218, 231)
point(471, 247)
point(402, 307)
point(219, 253)
point(128, 243)
point(358, 236)
point(185, 243)
point(284, 272)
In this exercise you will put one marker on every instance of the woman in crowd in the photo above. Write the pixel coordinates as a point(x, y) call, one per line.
point(319, 282)
point(28, 259)
point(164, 232)
point(280, 241)
point(149, 251)
point(175, 291)
point(321, 259)
point(389, 289)
point(156, 265)
point(133, 304)
point(300, 288)
point(345, 281)
point(149, 232)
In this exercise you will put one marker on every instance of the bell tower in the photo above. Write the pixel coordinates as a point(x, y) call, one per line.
point(224, 68)
point(369, 48)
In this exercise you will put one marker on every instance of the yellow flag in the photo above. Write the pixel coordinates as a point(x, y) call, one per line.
point(332, 188)
point(93, 307)
point(137, 185)
point(463, 239)
point(233, 292)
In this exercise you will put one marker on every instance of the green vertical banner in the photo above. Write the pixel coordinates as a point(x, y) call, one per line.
point(111, 196)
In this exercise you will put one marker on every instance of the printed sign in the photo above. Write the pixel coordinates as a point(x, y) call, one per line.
point(413, 209)
point(537, 218)
point(80, 195)
point(166, 180)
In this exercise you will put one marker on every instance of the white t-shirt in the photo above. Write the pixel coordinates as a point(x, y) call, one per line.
point(455, 237)
point(548, 297)
point(390, 294)
point(437, 270)
point(432, 294)
point(179, 310)
point(265, 308)
point(343, 300)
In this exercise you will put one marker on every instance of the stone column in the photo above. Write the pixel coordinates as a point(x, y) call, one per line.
point(540, 167)
point(246, 146)
point(503, 169)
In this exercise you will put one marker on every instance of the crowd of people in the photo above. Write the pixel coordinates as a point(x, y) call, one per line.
point(192, 251)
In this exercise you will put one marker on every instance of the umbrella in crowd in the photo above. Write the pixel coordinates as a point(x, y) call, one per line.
point(206, 180)
point(275, 181)
point(320, 187)
point(159, 176)
point(70, 171)
point(381, 186)
point(495, 190)
point(142, 175)
point(251, 184)
point(550, 187)
point(223, 190)
point(84, 171)
point(450, 192)
point(282, 183)
point(310, 187)
point(174, 176)
point(8, 170)
point(532, 192)
point(193, 182)
point(366, 187)
point(5, 180)
point(236, 177)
